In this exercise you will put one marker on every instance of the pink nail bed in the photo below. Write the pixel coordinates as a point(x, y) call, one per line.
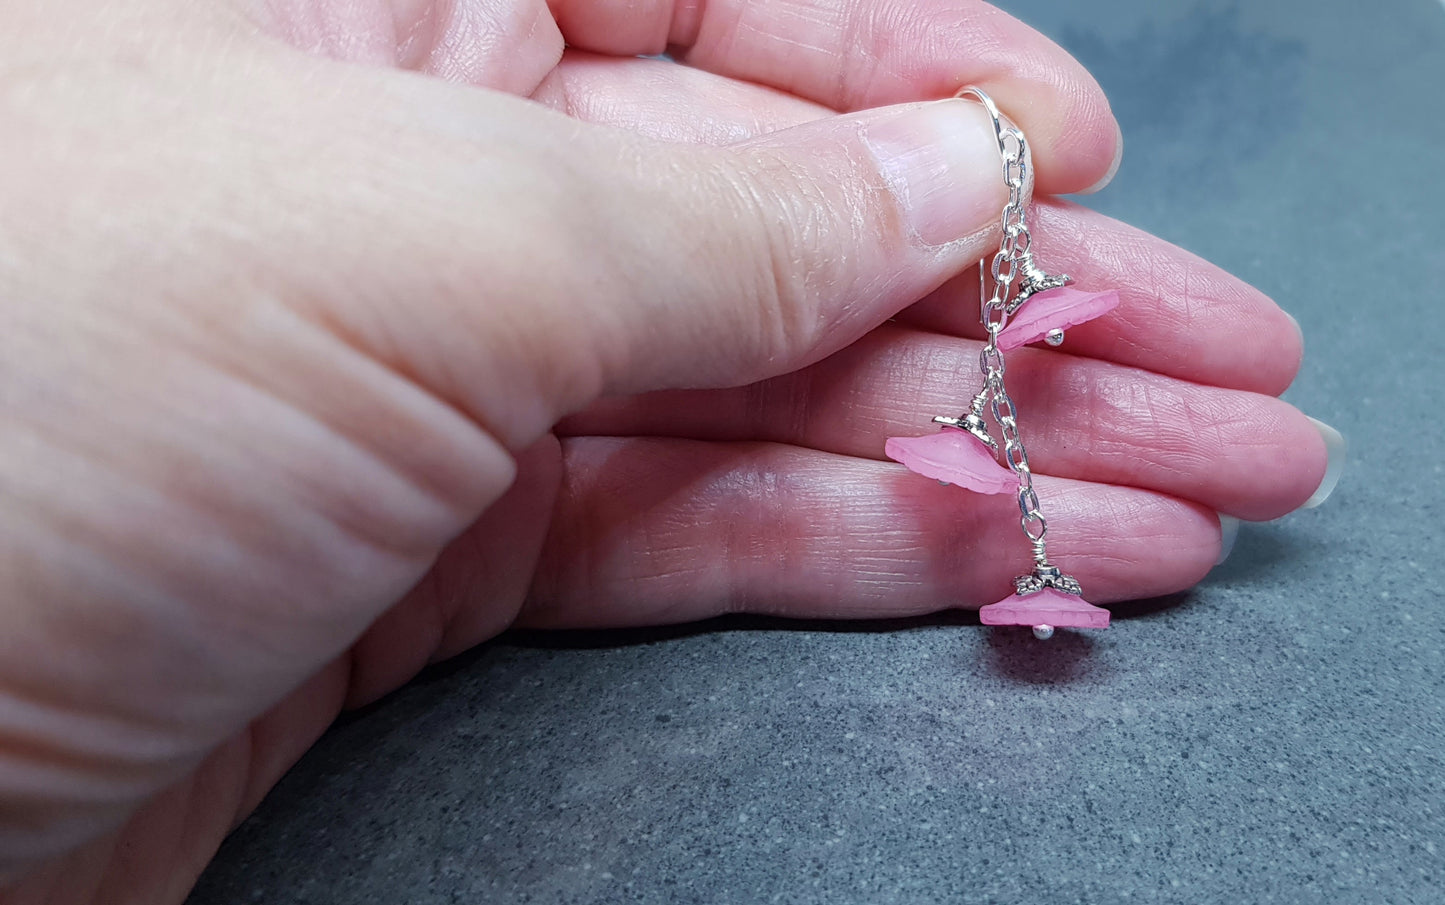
point(1045, 608)
point(954, 457)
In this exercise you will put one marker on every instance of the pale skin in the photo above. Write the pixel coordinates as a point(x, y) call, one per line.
point(316, 368)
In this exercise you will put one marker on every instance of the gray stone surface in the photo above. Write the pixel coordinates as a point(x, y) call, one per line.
point(1273, 736)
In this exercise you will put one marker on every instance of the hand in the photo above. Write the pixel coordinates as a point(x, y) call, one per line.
point(285, 338)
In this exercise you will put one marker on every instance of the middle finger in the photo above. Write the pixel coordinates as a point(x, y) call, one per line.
point(1244, 454)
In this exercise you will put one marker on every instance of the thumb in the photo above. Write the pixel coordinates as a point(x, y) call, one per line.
point(774, 253)
point(594, 261)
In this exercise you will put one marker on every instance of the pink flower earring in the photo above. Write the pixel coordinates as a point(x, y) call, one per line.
point(963, 451)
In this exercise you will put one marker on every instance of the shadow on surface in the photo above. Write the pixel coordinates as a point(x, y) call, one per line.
point(603, 639)
point(1017, 655)
point(1069, 656)
point(1259, 552)
point(591, 639)
point(1150, 606)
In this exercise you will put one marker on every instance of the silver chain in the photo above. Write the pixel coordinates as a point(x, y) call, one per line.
point(1014, 247)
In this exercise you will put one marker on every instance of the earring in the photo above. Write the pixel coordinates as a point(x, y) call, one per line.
point(1023, 305)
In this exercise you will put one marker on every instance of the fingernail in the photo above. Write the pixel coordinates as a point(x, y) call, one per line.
point(941, 162)
point(1300, 331)
point(1113, 167)
point(1228, 531)
point(1335, 445)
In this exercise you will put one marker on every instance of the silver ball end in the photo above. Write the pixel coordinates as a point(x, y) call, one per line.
point(1055, 338)
point(1043, 632)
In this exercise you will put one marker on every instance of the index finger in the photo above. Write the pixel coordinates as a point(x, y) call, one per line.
point(854, 54)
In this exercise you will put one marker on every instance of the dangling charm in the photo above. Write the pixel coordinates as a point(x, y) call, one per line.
point(1046, 600)
point(963, 451)
point(952, 457)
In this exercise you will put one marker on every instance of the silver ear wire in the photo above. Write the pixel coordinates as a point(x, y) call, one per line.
point(1031, 278)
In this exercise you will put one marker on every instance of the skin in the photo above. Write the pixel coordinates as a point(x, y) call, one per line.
point(339, 337)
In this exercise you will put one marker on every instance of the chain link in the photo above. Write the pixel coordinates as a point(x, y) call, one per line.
point(1001, 406)
point(1016, 240)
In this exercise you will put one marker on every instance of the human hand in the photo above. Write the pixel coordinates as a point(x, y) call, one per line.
point(278, 331)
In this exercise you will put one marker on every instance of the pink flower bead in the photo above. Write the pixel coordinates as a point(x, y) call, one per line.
point(1056, 309)
point(1046, 607)
point(954, 457)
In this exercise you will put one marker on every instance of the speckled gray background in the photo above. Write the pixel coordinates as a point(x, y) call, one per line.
point(1274, 736)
